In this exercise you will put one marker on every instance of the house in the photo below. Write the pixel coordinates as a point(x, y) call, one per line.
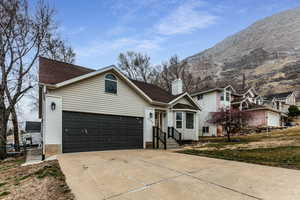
point(212, 99)
point(33, 134)
point(281, 101)
point(89, 110)
point(243, 98)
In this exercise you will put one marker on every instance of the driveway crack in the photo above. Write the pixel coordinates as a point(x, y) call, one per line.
point(203, 180)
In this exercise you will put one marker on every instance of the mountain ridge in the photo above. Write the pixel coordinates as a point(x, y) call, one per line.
point(267, 52)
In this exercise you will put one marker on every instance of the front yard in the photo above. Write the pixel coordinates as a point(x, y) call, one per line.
point(279, 148)
point(41, 181)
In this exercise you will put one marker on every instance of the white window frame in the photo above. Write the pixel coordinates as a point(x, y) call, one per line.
point(179, 120)
point(108, 79)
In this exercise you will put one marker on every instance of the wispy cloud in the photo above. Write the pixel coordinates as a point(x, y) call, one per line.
point(100, 48)
point(185, 18)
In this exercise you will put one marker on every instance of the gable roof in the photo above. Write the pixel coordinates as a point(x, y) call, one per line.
point(154, 92)
point(53, 71)
point(184, 106)
point(64, 73)
point(281, 95)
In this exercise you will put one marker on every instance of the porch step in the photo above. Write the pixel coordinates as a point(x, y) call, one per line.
point(171, 144)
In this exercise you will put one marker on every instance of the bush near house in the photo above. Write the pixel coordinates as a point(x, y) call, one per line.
point(294, 111)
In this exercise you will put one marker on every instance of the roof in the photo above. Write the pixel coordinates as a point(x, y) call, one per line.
point(242, 90)
point(278, 95)
point(253, 106)
point(31, 127)
point(184, 106)
point(55, 72)
point(154, 92)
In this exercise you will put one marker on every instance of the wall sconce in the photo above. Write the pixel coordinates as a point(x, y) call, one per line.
point(53, 106)
point(151, 115)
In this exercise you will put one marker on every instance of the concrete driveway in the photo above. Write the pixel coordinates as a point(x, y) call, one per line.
point(161, 175)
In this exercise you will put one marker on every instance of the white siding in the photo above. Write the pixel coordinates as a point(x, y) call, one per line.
point(208, 104)
point(89, 96)
point(273, 119)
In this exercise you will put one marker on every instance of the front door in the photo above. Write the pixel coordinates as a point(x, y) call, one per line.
point(159, 119)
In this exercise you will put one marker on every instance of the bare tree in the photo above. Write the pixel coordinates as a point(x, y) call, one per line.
point(55, 48)
point(21, 37)
point(137, 66)
point(177, 69)
point(231, 119)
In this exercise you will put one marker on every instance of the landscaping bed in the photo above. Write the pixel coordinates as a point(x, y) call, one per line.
point(40, 181)
point(280, 148)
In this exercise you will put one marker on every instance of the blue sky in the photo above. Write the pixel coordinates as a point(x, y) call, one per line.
point(99, 30)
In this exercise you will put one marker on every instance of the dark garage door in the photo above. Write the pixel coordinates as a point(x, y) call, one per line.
point(95, 132)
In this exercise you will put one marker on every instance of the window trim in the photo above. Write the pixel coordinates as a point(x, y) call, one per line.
point(113, 80)
point(205, 129)
point(186, 120)
point(179, 120)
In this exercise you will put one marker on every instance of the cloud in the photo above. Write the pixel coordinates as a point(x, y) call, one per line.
point(101, 48)
point(186, 18)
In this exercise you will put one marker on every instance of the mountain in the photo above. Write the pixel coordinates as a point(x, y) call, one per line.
point(267, 52)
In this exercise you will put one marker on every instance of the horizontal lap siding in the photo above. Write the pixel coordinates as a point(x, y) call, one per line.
point(89, 96)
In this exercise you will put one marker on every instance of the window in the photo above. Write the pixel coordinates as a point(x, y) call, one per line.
point(179, 120)
point(110, 84)
point(227, 96)
point(189, 120)
point(205, 129)
point(222, 97)
point(200, 96)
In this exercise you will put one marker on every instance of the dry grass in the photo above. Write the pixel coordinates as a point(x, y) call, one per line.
point(41, 181)
point(278, 148)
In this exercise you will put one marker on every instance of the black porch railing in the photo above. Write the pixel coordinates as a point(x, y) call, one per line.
point(159, 136)
point(176, 135)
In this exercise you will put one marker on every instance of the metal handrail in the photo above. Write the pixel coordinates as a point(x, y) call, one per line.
point(175, 134)
point(159, 135)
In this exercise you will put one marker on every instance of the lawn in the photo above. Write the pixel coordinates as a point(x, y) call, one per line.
point(41, 181)
point(279, 148)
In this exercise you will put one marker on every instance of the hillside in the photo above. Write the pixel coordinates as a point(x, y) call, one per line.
point(267, 52)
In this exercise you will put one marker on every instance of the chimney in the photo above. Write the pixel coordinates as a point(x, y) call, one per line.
point(177, 87)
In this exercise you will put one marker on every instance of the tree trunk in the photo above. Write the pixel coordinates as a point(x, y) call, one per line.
point(14, 118)
point(228, 134)
point(3, 129)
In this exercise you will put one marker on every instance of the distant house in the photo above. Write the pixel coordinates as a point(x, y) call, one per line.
point(281, 101)
point(212, 99)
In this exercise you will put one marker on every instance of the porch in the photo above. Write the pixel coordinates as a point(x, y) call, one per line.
point(173, 126)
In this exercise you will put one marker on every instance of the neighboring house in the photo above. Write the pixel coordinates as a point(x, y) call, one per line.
point(281, 101)
point(33, 134)
point(89, 110)
point(212, 99)
point(263, 116)
point(215, 98)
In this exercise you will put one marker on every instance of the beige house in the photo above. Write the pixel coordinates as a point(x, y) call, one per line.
point(89, 110)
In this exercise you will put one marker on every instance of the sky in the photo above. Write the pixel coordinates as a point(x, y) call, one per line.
point(99, 30)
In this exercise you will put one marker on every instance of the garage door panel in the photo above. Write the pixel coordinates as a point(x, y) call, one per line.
point(93, 132)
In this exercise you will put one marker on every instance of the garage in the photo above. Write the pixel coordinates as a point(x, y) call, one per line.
point(96, 132)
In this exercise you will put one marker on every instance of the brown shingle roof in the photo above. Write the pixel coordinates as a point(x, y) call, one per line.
point(52, 72)
point(154, 92)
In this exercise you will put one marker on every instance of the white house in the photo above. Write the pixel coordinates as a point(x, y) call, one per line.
point(212, 100)
point(90, 110)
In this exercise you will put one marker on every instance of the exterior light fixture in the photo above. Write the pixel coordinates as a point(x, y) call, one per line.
point(53, 106)
point(151, 115)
